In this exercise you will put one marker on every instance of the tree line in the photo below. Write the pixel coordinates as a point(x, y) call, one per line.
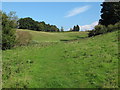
point(29, 23)
point(75, 28)
point(110, 19)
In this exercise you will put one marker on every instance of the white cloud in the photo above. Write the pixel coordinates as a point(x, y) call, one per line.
point(77, 11)
point(89, 27)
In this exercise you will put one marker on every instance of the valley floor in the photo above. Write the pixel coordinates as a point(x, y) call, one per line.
point(80, 63)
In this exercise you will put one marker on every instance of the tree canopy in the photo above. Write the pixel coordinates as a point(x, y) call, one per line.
point(75, 28)
point(8, 30)
point(110, 13)
point(29, 23)
point(110, 19)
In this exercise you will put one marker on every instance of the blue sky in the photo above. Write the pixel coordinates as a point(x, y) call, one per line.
point(66, 14)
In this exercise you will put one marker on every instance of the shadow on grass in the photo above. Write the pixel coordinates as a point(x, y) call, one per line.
point(78, 38)
point(64, 40)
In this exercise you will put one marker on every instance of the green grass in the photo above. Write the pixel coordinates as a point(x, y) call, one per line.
point(55, 36)
point(82, 63)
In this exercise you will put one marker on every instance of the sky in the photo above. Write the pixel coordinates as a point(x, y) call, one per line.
point(65, 14)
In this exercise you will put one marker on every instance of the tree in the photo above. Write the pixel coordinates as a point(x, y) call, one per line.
point(29, 23)
point(0, 29)
point(8, 32)
point(74, 28)
point(62, 29)
point(55, 28)
point(109, 19)
point(41, 26)
point(13, 19)
point(71, 29)
point(77, 28)
point(110, 13)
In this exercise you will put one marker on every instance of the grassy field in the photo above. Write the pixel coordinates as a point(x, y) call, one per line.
point(55, 36)
point(79, 62)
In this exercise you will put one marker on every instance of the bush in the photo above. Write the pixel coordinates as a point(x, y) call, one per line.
point(110, 28)
point(8, 32)
point(100, 29)
point(23, 38)
point(8, 40)
point(91, 33)
point(117, 26)
point(113, 27)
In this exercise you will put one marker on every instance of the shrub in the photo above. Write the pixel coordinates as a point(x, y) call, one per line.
point(23, 38)
point(117, 26)
point(91, 33)
point(100, 29)
point(113, 27)
point(110, 28)
point(8, 32)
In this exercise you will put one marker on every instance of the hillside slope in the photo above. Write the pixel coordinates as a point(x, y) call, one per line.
point(39, 36)
point(85, 63)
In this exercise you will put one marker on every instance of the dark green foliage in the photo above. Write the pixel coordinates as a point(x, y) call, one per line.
point(0, 30)
point(101, 29)
point(75, 28)
point(51, 28)
point(41, 26)
point(110, 19)
point(91, 33)
point(29, 23)
point(110, 28)
point(8, 31)
point(115, 27)
point(110, 13)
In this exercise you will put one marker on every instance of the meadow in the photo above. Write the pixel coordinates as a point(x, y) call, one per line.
point(63, 60)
